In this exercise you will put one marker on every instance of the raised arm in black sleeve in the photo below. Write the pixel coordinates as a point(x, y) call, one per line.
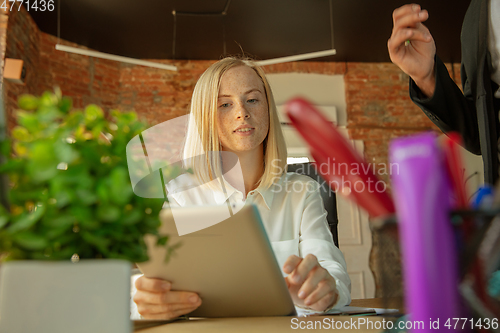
point(449, 108)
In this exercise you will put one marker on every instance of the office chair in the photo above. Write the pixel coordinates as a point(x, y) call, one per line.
point(328, 196)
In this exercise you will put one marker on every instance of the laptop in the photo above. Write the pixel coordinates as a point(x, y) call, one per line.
point(230, 264)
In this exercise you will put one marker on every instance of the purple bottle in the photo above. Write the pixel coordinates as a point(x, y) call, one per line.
point(421, 192)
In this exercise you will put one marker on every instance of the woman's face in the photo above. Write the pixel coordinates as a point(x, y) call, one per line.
point(242, 112)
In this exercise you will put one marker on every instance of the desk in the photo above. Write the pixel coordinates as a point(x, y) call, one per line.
point(274, 324)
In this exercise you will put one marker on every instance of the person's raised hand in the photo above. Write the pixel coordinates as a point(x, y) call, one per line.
point(309, 284)
point(156, 300)
point(411, 46)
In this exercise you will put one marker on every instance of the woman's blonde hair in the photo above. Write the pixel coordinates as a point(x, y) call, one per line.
point(202, 136)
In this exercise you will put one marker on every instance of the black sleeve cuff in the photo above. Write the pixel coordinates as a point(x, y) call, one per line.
point(448, 108)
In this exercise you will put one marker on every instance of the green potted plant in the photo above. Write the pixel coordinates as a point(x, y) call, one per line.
point(70, 192)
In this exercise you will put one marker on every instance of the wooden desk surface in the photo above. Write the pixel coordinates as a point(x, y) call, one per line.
point(278, 324)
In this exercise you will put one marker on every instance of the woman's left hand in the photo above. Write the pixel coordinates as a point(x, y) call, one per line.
point(309, 284)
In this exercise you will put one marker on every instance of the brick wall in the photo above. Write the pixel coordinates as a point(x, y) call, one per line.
point(4, 18)
point(85, 79)
point(378, 106)
point(159, 95)
point(22, 42)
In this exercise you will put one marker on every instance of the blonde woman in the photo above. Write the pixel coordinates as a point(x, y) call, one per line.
point(233, 110)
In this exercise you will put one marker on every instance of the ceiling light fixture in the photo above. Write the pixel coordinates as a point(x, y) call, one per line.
point(297, 57)
point(108, 56)
point(304, 56)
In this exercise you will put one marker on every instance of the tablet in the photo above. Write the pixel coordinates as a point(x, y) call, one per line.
point(230, 264)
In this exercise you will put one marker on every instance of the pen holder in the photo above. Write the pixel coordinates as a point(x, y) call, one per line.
point(388, 262)
point(478, 255)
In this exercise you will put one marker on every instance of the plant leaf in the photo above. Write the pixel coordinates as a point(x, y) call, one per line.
point(42, 151)
point(75, 119)
point(27, 102)
point(27, 220)
point(20, 133)
point(95, 240)
point(132, 217)
point(63, 197)
point(108, 213)
point(28, 120)
point(103, 192)
point(64, 152)
point(61, 221)
point(5, 147)
point(93, 113)
point(65, 104)
point(48, 114)
point(12, 165)
point(30, 241)
point(121, 189)
point(40, 173)
point(56, 232)
point(48, 99)
point(86, 197)
point(162, 240)
point(3, 220)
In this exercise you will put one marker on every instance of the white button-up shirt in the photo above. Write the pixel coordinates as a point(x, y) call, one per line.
point(293, 215)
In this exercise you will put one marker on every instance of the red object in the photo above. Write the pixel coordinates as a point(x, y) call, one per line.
point(455, 169)
point(456, 172)
point(337, 161)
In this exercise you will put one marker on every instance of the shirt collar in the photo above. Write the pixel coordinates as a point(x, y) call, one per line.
point(219, 195)
point(267, 194)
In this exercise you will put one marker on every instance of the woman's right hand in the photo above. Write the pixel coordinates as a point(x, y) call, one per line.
point(411, 46)
point(155, 300)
